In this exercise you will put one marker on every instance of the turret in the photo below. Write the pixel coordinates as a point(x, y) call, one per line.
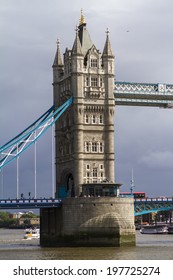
point(108, 57)
point(58, 66)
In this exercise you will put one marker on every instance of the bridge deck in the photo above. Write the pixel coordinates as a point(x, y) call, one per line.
point(29, 203)
point(150, 205)
point(141, 206)
point(140, 94)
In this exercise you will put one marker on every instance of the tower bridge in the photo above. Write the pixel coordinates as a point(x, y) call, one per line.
point(85, 95)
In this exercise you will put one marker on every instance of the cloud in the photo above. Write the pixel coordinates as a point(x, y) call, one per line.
point(158, 159)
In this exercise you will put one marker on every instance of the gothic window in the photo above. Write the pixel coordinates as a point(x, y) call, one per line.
point(87, 82)
point(87, 147)
point(94, 172)
point(69, 67)
point(88, 167)
point(101, 166)
point(101, 174)
point(86, 119)
point(101, 82)
point(93, 62)
point(88, 174)
point(94, 82)
point(101, 119)
point(101, 147)
point(94, 147)
point(93, 118)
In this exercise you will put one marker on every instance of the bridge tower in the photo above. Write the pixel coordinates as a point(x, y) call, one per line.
point(92, 214)
point(85, 133)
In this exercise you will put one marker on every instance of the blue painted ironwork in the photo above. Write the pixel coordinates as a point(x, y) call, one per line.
point(152, 205)
point(141, 206)
point(29, 203)
point(143, 94)
point(20, 143)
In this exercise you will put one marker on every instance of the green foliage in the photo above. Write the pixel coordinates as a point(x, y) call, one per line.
point(7, 222)
point(29, 215)
point(4, 215)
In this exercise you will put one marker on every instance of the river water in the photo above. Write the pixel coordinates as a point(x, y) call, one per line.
point(148, 247)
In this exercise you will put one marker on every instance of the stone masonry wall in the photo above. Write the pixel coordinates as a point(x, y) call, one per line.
point(102, 221)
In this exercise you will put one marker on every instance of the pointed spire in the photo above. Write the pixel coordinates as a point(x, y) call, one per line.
point(82, 18)
point(58, 59)
point(83, 34)
point(77, 48)
point(107, 48)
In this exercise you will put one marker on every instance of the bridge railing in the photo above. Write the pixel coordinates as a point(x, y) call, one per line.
point(157, 199)
point(23, 201)
point(143, 94)
point(29, 203)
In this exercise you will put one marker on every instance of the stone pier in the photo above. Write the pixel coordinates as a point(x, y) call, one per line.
point(87, 221)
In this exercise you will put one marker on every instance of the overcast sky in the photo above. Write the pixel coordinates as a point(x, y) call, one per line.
point(143, 136)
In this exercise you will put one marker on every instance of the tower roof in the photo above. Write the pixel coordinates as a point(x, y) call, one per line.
point(84, 36)
point(107, 48)
point(77, 48)
point(58, 58)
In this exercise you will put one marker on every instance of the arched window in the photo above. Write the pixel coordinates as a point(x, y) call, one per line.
point(101, 119)
point(93, 62)
point(101, 147)
point(94, 82)
point(87, 82)
point(86, 118)
point(94, 147)
point(93, 118)
point(87, 147)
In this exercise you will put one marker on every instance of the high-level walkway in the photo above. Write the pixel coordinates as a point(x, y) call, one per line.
point(143, 94)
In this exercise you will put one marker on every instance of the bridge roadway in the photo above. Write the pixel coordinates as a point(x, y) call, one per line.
point(141, 205)
point(149, 205)
point(143, 94)
point(29, 203)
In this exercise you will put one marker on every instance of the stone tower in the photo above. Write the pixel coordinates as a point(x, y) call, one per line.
point(85, 132)
point(92, 213)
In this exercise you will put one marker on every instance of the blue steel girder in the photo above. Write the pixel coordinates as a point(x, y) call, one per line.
point(20, 143)
point(142, 207)
point(143, 94)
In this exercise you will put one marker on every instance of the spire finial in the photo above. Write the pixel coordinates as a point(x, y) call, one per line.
point(76, 29)
point(58, 59)
point(82, 18)
point(58, 42)
point(107, 31)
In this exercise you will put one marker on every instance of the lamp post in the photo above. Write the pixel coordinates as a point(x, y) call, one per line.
point(132, 186)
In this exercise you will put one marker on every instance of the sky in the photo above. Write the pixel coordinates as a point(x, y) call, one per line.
point(143, 136)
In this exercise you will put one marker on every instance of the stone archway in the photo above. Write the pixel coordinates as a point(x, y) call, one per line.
point(67, 181)
point(70, 185)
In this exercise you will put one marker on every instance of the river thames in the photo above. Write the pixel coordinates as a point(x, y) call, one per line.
point(148, 247)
